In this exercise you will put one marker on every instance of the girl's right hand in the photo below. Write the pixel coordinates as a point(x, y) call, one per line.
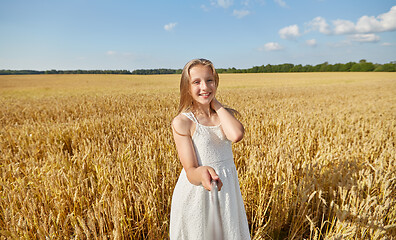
point(209, 174)
point(215, 104)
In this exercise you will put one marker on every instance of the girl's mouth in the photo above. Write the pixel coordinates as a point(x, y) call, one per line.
point(205, 95)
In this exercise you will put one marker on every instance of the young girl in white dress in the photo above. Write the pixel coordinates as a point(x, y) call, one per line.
point(203, 132)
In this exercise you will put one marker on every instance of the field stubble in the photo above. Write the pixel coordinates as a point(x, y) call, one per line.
point(92, 156)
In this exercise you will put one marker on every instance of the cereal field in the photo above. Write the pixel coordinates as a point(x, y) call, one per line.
point(92, 156)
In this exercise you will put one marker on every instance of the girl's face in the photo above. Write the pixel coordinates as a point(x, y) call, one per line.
point(202, 84)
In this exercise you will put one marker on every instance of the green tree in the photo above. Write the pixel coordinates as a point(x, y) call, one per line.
point(297, 68)
point(388, 67)
point(347, 67)
point(363, 66)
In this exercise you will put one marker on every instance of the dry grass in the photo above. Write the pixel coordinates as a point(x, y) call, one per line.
point(92, 156)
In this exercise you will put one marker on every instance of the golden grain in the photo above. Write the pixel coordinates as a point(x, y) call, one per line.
point(92, 156)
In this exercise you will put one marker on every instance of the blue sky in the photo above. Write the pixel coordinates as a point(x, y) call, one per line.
point(121, 34)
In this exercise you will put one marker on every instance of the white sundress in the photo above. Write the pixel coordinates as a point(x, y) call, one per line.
point(190, 203)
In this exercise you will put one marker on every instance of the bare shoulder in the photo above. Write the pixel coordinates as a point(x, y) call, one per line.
point(182, 125)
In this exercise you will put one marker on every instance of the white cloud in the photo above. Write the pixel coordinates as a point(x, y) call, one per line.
point(370, 37)
point(281, 3)
point(365, 25)
point(344, 43)
point(119, 54)
point(343, 27)
point(170, 26)
point(271, 46)
point(383, 23)
point(224, 3)
point(245, 2)
point(111, 53)
point(387, 44)
point(311, 42)
point(290, 32)
point(205, 8)
point(240, 13)
point(319, 24)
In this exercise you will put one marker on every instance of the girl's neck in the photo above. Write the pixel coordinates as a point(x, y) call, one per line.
point(206, 111)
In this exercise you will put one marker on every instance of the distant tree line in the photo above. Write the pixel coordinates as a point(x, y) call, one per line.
point(24, 72)
point(361, 66)
point(136, 72)
point(156, 71)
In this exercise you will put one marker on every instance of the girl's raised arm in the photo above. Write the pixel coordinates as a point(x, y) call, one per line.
point(233, 129)
point(197, 175)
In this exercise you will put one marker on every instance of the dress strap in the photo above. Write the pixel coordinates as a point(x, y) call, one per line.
point(191, 116)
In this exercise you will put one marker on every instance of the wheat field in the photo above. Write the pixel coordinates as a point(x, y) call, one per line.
point(92, 156)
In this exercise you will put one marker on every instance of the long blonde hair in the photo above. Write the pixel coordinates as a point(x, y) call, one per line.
point(186, 100)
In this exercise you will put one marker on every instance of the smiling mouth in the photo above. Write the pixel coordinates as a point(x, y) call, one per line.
point(204, 94)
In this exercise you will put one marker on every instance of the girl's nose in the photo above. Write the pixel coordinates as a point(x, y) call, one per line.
point(203, 85)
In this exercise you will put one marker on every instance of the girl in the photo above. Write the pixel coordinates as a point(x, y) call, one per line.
point(203, 131)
